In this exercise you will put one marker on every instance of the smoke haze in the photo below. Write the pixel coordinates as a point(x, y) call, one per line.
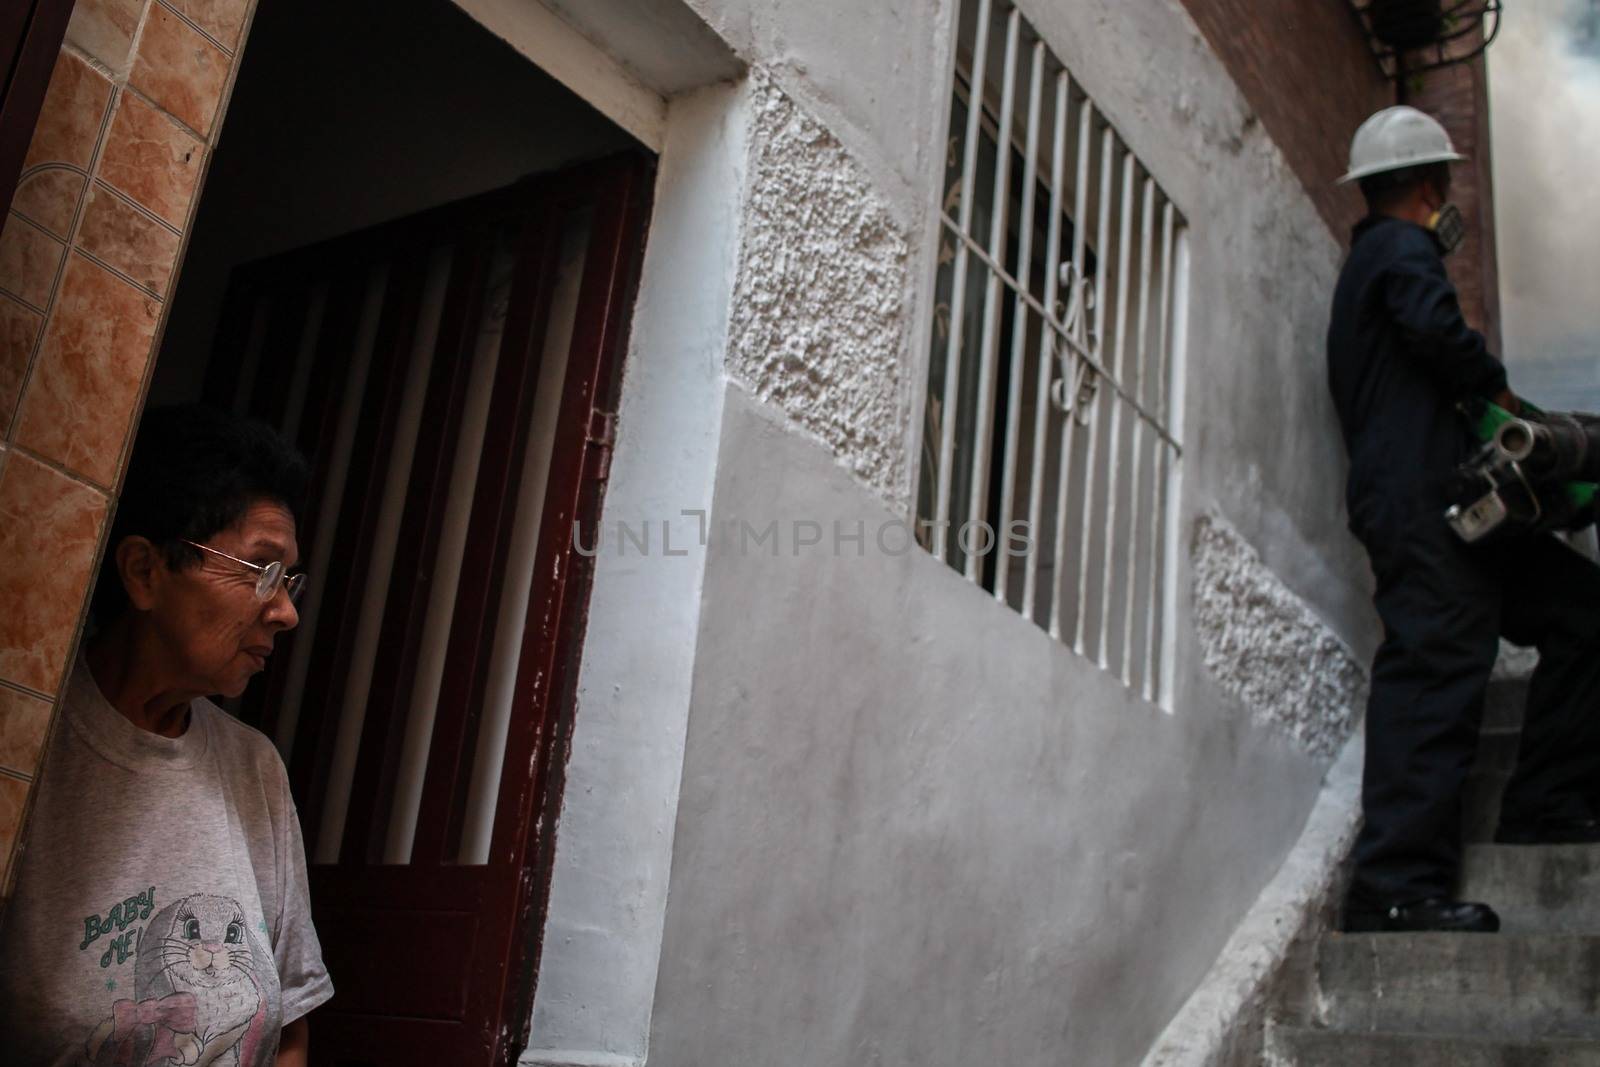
point(1544, 83)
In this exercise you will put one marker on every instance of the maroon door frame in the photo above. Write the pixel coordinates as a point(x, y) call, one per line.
point(529, 807)
point(398, 1012)
point(31, 32)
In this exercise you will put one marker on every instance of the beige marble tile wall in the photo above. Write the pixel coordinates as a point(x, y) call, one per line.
point(88, 253)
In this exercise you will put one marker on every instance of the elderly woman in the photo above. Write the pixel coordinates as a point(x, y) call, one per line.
point(161, 913)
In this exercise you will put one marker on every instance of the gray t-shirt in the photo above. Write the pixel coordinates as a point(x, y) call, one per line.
point(161, 913)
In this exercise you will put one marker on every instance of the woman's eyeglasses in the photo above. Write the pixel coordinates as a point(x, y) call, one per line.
point(268, 576)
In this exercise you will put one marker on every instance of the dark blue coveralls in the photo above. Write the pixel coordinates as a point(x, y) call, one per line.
point(1400, 356)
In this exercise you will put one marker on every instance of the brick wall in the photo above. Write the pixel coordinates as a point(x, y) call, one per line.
point(1459, 97)
point(1305, 68)
point(1308, 72)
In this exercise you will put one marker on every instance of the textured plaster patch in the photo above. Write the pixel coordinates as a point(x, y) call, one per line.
point(819, 316)
point(1267, 648)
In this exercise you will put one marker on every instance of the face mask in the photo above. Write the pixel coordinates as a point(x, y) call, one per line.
point(1449, 228)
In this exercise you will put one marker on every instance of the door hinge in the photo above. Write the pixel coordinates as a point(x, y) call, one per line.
point(602, 436)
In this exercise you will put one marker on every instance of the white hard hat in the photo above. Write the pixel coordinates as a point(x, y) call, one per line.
point(1398, 137)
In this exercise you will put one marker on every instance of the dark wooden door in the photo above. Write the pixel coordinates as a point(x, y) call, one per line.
point(31, 32)
point(453, 375)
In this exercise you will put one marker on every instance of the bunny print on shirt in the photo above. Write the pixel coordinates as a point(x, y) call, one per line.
point(197, 995)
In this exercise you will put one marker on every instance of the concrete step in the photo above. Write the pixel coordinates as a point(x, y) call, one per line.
point(1498, 741)
point(1545, 889)
point(1503, 703)
point(1497, 751)
point(1480, 804)
point(1513, 987)
point(1290, 1046)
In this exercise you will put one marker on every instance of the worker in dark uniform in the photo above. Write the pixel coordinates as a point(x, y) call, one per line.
point(1400, 359)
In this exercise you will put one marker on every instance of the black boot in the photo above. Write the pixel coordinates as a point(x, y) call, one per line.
point(1435, 914)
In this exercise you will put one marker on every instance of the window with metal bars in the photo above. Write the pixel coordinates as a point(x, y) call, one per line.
point(1050, 454)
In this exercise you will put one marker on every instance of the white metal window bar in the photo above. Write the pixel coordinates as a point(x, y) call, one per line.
point(1039, 324)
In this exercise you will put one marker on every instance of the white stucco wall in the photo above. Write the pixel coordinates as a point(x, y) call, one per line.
point(602, 937)
point(912, 829)
point(902, 825)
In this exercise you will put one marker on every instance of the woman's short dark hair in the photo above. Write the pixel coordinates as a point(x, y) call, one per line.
point(195, 471)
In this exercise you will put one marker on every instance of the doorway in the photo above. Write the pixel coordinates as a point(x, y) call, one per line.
point(418, 262)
